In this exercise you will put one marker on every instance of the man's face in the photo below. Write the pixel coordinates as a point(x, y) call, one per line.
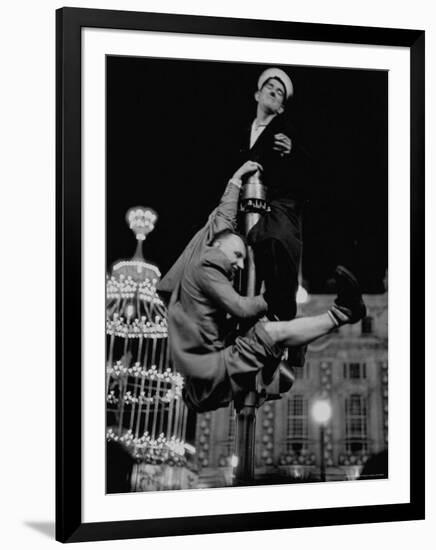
point(234, 249)
point(272, 96)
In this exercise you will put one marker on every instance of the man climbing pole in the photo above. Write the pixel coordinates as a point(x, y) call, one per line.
point(218, 365)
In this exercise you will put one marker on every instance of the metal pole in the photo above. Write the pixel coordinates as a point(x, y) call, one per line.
point(253, 204)
point(321, 447)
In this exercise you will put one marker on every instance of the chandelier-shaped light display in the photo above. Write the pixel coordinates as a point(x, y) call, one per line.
point(145, 411)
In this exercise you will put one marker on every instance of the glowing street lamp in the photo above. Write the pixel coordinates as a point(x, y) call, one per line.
point(321, 414)
point(321, 411)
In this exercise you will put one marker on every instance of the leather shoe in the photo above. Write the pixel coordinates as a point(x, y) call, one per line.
point(349, 300)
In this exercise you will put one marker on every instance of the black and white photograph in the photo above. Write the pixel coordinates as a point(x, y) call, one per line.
point(247, 274)
point(217, 271)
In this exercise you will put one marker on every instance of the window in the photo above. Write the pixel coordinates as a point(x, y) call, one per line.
point(356, 424)
point(367, 325)
point(355, 371)
point(297, 432)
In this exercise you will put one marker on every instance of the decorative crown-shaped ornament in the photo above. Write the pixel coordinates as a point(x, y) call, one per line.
point(141, 221)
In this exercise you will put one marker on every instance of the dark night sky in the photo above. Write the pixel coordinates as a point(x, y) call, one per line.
point(169, 130)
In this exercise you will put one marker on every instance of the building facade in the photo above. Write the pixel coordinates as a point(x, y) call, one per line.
point(348, 369)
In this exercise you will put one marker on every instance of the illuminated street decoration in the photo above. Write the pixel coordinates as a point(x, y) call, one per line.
point(141, 221)
point(145, 410)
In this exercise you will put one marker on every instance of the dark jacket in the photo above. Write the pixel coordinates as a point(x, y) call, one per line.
point(285, 176)
point(276, 238)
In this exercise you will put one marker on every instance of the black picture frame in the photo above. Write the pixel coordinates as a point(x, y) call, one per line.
point(69, 524)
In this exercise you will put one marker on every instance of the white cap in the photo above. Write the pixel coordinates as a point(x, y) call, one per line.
point(273, 72)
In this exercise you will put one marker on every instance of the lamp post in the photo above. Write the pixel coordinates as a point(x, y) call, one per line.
point(253, 205)
point(321, 414)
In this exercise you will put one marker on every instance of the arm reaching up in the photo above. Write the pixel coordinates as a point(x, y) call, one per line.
point(224, 216)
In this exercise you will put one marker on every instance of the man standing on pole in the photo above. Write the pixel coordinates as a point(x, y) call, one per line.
point(218, 365)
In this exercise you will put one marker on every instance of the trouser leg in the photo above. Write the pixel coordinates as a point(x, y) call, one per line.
point(299, 331)
point(278, 269)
